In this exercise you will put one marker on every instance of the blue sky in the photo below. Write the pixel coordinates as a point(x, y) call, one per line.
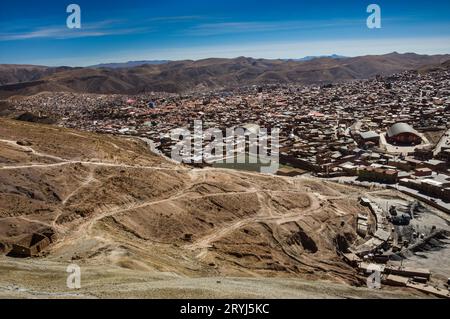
point(35, 32)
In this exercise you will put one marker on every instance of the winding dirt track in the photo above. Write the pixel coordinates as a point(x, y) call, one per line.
point(242, 200)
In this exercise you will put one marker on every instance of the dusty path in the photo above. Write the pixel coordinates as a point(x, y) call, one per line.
point(266, 215)
point(31, 150)
point(93, 164)
point(88, 180)
point(63, 161)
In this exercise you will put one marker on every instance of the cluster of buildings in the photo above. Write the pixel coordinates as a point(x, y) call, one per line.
point(392, 130)
point(384, 240)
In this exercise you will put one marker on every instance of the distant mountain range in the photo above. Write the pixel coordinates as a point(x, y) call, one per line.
point(129, 64)
point(312, 57)
point(187, 75)
point(132, 64)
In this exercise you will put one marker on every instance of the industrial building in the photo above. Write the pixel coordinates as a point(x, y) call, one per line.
point(403, 134)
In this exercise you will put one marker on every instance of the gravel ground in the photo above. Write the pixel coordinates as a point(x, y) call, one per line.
point(47, 279)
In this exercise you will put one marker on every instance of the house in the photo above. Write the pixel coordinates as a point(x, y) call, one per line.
point(32, 245)
point(435, 165)
point(375, 174)
point(425, 171)
point(370, 136)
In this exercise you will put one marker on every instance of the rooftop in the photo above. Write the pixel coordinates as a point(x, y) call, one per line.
point(400, 128)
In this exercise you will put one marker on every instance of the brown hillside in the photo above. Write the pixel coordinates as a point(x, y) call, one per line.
point(182, 76)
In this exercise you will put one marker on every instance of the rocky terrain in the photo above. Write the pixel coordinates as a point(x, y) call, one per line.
point(141, 226)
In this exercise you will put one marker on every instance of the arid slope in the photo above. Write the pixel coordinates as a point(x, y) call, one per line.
point(116, 206)
point(206, 74)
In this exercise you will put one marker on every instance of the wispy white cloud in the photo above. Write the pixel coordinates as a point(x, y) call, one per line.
point(57, 33)
point(98, 29)
point(237, 27)
point(175, 18)
point(209, 29)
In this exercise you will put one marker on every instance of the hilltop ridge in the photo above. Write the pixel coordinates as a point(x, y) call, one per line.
point(213, 73)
